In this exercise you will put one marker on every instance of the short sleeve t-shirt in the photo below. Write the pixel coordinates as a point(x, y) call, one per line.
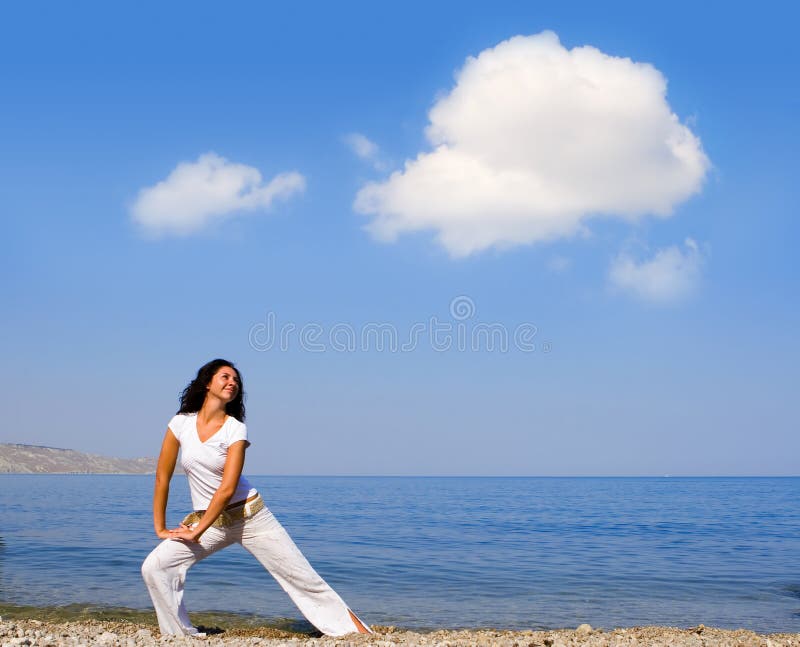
point(204, 463)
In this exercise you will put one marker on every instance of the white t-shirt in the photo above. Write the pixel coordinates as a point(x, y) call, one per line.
point(205, 462)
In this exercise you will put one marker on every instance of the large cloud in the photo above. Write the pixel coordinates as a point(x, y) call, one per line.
point(533, 140)
point(669, 276)
point(195, 194)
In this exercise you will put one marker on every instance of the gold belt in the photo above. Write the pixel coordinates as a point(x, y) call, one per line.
point(230, 515)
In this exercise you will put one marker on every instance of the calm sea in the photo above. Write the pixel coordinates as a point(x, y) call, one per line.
point(439, 552)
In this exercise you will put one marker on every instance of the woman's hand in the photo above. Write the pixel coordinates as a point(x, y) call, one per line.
point(181, 532)
point(186, 533)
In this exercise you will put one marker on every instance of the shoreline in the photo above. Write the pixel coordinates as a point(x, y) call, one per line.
point(33, 632)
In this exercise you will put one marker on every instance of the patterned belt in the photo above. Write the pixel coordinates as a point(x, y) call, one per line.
point(230, 515)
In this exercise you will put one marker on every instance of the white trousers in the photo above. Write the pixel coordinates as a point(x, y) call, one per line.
point(165, 568)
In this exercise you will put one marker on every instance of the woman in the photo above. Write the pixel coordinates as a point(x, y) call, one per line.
point(209, 430)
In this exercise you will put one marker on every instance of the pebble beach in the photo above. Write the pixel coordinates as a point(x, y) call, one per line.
point(33, 633)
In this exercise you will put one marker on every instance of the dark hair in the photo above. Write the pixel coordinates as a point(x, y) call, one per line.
point(194, 394)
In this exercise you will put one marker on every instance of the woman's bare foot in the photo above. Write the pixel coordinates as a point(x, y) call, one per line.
point(359, 625)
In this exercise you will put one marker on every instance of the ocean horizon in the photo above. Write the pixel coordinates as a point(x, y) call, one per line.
point(426, 552)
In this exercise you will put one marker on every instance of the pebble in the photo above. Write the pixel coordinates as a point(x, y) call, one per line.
point(93, 633)
point(107, 637)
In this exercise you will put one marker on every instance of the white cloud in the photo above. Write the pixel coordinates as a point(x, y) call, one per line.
point(365, 149)
point(195, 194)
point(671, 275)
point(361, 146)
point(532, 141)
point(559, 264)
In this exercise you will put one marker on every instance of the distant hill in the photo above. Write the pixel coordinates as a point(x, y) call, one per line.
point(33, 459)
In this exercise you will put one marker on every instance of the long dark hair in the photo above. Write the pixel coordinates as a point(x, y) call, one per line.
point(194, 394)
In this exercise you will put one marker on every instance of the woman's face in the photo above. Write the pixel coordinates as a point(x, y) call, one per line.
point(224, 384)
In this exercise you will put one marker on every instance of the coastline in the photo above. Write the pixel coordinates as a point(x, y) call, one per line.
point(576, 560)
point(32, 632)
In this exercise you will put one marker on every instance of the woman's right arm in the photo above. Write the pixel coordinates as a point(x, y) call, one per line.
point(166, 466)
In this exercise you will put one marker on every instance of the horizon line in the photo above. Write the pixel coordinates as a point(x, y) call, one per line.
point(475, 476)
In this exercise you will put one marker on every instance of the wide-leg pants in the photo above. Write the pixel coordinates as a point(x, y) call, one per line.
point(165, 568)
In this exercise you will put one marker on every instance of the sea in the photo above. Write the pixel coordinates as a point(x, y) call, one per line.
point(428, 553)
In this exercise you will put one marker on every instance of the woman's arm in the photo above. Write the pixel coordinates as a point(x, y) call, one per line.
point(164, 470)
point(230, 480)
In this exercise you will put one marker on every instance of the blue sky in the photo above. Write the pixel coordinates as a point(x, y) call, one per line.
point(664, 344)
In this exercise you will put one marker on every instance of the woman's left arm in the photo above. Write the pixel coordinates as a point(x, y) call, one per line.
point(230, 480)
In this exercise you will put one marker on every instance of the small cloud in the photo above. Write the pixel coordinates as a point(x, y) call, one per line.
point(361, 146)
point(532, 142)
point(195, 194)
point(669, 276)
point(365, 149)
point(559, 264)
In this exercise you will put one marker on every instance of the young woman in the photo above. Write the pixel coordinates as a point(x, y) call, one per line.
point(209, 430)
